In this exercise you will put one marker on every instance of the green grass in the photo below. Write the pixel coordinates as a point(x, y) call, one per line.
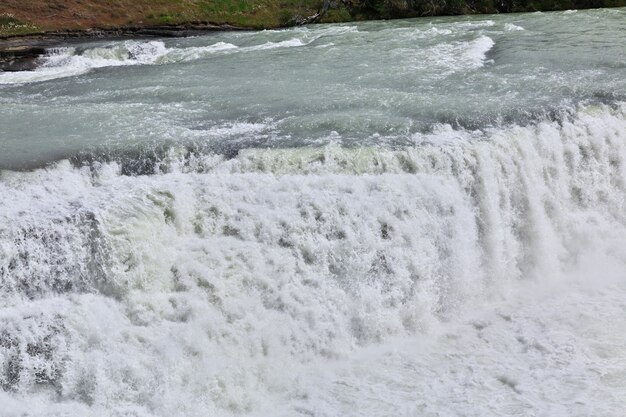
point(260, 14)
point(257, 14)
point(165, 18)
point(226, 7)
point(10, 26)
point(6, 20)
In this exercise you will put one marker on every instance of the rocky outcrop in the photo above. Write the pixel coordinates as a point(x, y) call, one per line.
point(20, 58)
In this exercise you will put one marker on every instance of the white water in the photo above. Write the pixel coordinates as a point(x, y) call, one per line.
point(262, 286)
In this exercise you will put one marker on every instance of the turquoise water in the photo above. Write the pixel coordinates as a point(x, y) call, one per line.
point(374, 83)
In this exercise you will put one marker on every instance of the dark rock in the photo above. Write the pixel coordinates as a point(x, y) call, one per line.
point(19, 64)
point(20, 58)
point(22, 51)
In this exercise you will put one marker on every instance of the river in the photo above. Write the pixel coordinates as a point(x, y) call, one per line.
point(418, 217)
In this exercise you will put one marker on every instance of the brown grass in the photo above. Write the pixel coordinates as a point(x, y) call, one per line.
point(52, 15)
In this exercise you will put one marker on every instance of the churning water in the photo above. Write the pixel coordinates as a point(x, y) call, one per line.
point(409, 218)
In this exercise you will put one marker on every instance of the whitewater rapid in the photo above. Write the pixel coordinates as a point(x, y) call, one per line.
point(67, 62)
point(70, 61)
point(411, 218)
point(236, 279)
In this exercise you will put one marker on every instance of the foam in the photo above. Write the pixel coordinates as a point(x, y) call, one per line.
point(511, 27)
point(239, 278)
point(66, 62)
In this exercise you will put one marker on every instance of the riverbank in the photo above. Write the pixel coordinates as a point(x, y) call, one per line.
point(18, 18)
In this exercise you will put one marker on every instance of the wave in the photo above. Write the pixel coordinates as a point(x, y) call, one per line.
point(67, 62)
point(449, 57)
point(251, 147)
point(511, 27)
point(72, 61)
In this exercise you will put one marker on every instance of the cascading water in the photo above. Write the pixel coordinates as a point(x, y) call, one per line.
point(393, 259)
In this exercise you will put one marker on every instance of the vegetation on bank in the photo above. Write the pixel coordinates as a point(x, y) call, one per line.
point(19, 17)
point(9, 25)
point(414, 8)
